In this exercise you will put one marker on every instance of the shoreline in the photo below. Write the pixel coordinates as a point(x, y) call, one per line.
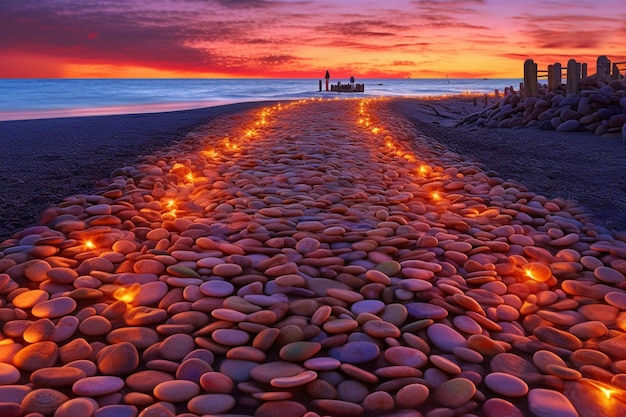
point(51, 159)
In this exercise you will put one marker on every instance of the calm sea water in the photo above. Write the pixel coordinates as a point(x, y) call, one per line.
point(43, 98)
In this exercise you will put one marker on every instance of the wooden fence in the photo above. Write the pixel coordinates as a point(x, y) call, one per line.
point(575, 71)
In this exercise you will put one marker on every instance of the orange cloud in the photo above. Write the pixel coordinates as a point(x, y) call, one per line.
point(279, 38)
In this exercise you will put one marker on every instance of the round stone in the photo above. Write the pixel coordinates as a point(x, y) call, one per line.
point(96, 386)
point(176, 391)
point(497, 407)
point(549, 403)
point(506, 385)
point(230, 337)
point(57, 376)
point(355, 352)
point(176, 347)
point(44, 401)
point(608, 275)
point(216, 383)
point(264, 373)
point(419, 311)
point(210, 404)
point(405, 356)
point(217, 288)
point(56, 307)
point(145, 381)
point(299, 351)
point(412, 396)
point(379, 402)
point(381, 329)
point(280, 408)
point(118, 359)
point(95, 326)
point(455, 392)
point(367, 306)
point(9, 374)
point(36, 356)
point(444, 337)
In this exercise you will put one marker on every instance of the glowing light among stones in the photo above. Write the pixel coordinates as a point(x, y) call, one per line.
point(376, 130)
point(127, 294)
point(249, 134)
point(171, 206)
point(436, 196)
point(89, 245)
point(537, 271)
point(209, 153)
point(190, 177)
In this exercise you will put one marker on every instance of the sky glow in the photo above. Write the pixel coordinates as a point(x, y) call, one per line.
point(302, 39)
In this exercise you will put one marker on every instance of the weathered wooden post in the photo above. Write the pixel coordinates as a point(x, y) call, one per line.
point(615, 73)
point(320, 85)
point(603, 68)
point(555, 74)
point(573, 77)
point(583, 70)
point(530, 78)
point(327, 79)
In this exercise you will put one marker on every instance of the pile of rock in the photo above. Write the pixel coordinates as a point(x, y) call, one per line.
point(599, 108)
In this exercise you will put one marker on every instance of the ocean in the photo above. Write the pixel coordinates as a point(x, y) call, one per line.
point(23, 99)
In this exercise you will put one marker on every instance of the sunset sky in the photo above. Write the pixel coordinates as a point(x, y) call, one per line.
point(283, 38)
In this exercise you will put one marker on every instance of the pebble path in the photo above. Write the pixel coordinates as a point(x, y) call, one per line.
point(316, 258)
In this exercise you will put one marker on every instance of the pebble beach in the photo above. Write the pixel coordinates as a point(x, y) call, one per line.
point(316, 258)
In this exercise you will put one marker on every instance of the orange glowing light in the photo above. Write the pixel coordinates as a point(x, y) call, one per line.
point(376, 130)
point(249, 133)
point(90, 245)
point(209, 153)
point(436, 196)
point(127, 294)
point(537, 271)
point(190, 177)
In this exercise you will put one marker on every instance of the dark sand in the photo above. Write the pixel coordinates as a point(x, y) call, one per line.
point(44, 161)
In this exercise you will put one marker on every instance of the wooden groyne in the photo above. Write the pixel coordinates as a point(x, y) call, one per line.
point(575, 72)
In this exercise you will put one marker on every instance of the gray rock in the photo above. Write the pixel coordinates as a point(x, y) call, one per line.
point(569, 126)
point(569, 114)
point(600, 98)
point(590, 118)
point(618, 120)
point(584, 106)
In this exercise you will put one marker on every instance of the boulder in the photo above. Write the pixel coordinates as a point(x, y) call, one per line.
point(569, 114)
point(618, 120)
point(569, 126)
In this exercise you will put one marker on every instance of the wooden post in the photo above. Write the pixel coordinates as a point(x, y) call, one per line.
point(530, 78)
point(573, 77)
point(555, 74)
point(603, 69)
point(320, 85)
point(615, 73)
point(327, 79)
point(583, 70)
